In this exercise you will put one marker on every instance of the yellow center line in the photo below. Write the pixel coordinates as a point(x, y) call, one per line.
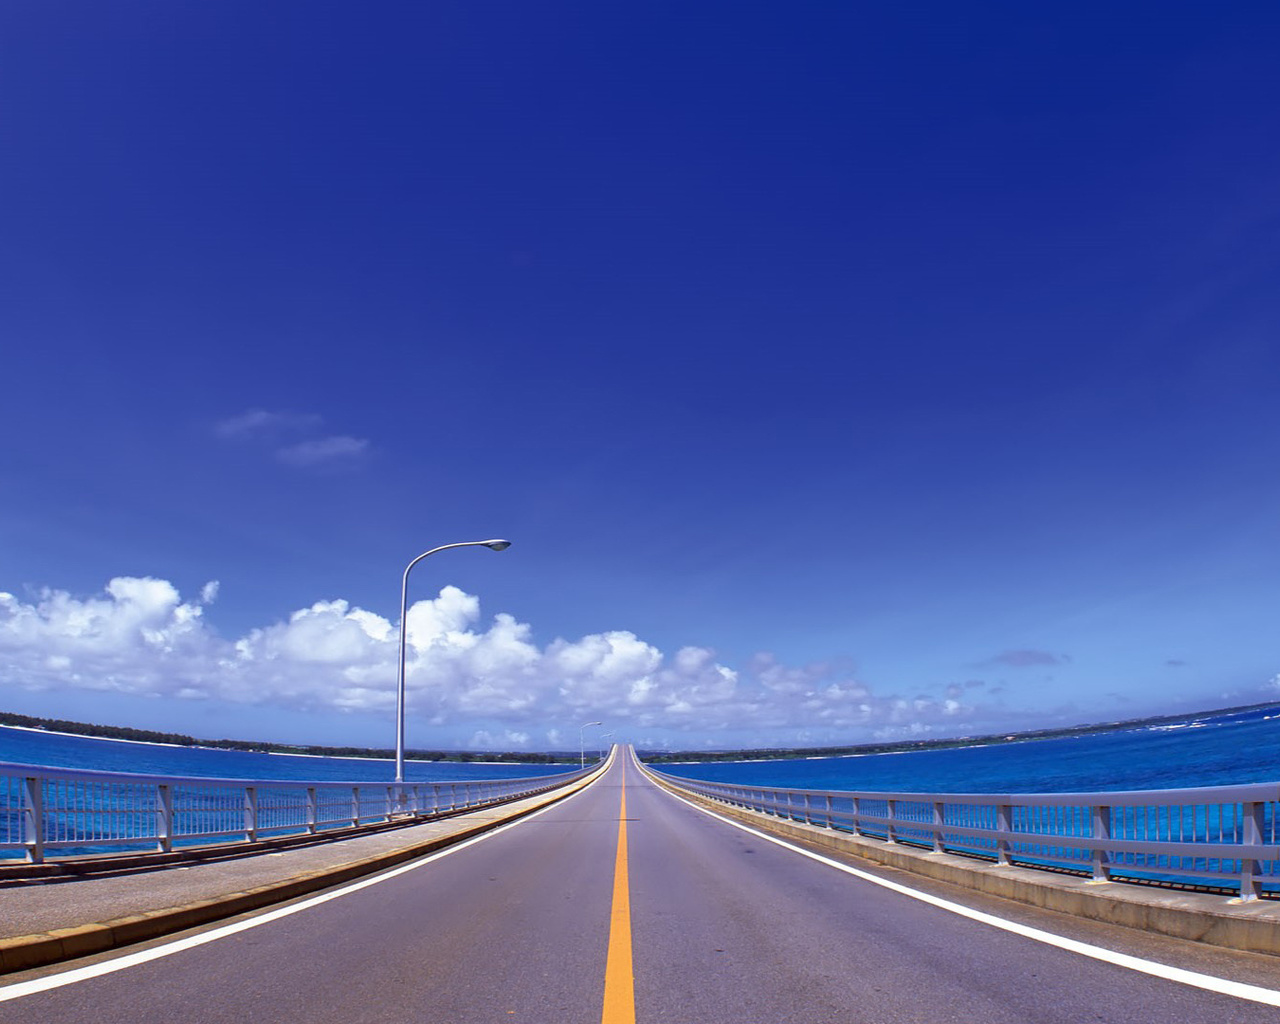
point(619, 981)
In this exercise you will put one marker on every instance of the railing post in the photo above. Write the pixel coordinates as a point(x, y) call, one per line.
point(857, 816)
point(1101, 829)
point(1004, 825)
point(251, 813)
point(1250, 869)
point(938, 820)
point(390, 803)
point(891, 829)
point(808, 809)
point(831, 821)
point(164, 817)
point(33, 819)
point(51, 810)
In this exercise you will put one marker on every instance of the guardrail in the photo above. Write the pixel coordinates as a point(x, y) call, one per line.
point(1223, 837)
point(50, 809)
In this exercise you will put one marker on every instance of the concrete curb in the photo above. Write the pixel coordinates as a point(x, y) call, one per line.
point(1252, 926)
point(27, 951)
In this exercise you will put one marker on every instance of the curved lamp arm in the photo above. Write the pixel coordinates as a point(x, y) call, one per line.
point(493, 545)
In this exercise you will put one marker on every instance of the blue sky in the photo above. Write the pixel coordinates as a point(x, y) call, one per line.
point(838, 372)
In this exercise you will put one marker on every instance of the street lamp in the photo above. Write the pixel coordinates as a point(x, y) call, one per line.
point(582, 750)
point(493, 545)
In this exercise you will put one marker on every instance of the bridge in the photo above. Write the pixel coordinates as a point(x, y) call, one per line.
point(618, 899)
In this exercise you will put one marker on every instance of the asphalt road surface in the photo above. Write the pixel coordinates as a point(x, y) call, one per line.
point(623, 904)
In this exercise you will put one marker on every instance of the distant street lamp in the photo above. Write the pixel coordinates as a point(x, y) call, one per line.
point(582, 750)
point(606, 736)
point(493, 545)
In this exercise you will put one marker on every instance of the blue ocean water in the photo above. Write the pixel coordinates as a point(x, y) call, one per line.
point(25, 746)
point(1211, 750)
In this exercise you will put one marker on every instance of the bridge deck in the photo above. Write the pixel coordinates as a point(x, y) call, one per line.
point(721, 925)
point(209, 885)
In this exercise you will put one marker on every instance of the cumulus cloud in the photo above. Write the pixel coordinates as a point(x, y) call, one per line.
point(122, 641)
point(487, 680)
point(509, 739)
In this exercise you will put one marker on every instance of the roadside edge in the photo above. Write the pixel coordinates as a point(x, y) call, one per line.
point(25, 952)
point(1252, 926)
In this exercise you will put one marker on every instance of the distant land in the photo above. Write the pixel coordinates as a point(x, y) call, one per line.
point(119, 732)
point(903, 746)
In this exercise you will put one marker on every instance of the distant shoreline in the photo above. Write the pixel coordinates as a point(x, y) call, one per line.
point(83, 736)
point(155, 743)
point(951, 743)
point(124, 734)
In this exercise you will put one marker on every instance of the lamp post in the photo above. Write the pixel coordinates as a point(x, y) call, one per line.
point(582, 750)
point(606, 736)
point(493, 545)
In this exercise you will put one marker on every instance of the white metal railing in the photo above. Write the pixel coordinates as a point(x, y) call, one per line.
point(1220, 836)
point(43, 810)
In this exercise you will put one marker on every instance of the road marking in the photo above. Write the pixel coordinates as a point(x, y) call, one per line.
point(78, 974)
point(619, 978)
point(1253, 993)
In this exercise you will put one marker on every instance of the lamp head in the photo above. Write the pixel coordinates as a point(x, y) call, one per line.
point(496, 545)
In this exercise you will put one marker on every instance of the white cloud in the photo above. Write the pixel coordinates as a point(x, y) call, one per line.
point(292, 437)
point(256, 422)
point(323, 450)
point(486, 680)
point(508, 739)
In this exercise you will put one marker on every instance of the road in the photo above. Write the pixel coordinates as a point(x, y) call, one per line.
point(550, 919)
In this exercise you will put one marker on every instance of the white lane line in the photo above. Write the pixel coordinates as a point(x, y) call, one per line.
point(78, 974)
point(1253, 993)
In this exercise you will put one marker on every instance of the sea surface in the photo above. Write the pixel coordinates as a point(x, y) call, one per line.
point(58, 750)
point(1210, 750)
